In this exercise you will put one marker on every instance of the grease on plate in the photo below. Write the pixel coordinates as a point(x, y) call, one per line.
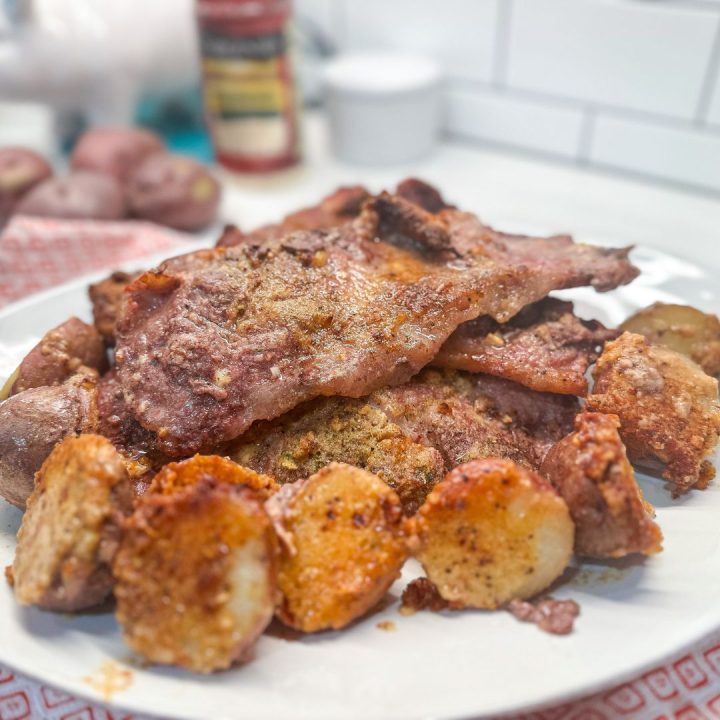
point(109, 679)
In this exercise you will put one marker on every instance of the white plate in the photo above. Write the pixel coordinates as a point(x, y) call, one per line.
point(468, 664)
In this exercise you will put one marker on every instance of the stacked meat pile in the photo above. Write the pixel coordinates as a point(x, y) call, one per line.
point(291, 415)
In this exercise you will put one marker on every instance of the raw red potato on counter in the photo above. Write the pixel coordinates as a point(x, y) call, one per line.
point(294, 359)
point(115, 173)
point(21, 170)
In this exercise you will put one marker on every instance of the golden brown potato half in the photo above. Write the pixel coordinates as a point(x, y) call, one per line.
point(33, 422)
point(492, 531)
point(196, 575)
point(668, 408)
point(71, 529)
point(681, 328)
point(342, 546)
point(176, 475)
point(60, 353)
point(590, 470)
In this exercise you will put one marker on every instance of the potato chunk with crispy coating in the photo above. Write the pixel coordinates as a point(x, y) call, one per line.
point(668, 408)
point(176, 475)
point(681, 328)
point(590, 470)
point(492, 531)
point(71, 529)
point(196, 575)
point(343, 545)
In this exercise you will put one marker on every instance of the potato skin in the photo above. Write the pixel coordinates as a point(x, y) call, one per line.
point(173, 190)
point(33, 422)
point(70, 531)
point(492, 531)
point(681, 328)
point(81, 195)
point(114, 151)
point(343, 544)
point(177, 475)
point(196, 575)
point(590, 470)
point(59, 354)
point(21, 169)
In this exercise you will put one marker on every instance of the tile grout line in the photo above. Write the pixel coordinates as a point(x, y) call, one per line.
point(501, 53)
point(711, 74)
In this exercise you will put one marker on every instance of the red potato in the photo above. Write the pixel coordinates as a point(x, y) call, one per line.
point(114, 151)
point(175, 191)
point(80, 195)
point(20, 171)
point(59, 354)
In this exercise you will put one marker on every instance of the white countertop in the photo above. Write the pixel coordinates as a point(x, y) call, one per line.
point(519, 193)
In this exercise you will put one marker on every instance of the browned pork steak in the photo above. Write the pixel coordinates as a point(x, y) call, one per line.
point(217, 339)
point(545, 346)
point(413, 434)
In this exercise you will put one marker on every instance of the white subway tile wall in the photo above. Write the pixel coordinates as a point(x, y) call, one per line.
point(632, 85)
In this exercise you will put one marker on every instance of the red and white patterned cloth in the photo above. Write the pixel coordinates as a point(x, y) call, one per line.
point(38, 253)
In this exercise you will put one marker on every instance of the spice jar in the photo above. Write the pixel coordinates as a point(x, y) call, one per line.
point(248, 86)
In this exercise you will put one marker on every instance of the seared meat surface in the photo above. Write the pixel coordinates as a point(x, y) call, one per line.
point(411, 435)
point(212, 341)
point(545, 346)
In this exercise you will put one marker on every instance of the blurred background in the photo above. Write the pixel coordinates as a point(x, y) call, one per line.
point(631, 85)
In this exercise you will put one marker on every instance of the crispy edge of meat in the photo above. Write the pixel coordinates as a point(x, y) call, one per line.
point(668, 408)
point(196, 575)
point(590, 470)
point(343, 544)
point(106, 297)
point(545, 347)
point(71, 528)
point(491, 532)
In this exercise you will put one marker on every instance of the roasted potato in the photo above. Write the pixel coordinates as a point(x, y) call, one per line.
point(173, 190)
point(177, 475)
point(33, 422)
point(80, 195)
point(114, 151)
point(590, 470)
point(491, 532)
point(21, 170)
point(196, 575)
point(342, 546)
point(70, 531)
point(668, 408)
point(59, 354)
point(683, 329)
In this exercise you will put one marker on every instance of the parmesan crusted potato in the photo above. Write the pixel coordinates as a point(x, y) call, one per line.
point(343, 545)
point(177, 475)
point(71, 529)
point(196, 575)
point(590, 470)
point(681, 328)
point(491, 532)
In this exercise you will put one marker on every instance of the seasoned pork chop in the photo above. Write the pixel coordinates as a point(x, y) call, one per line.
point(212, 341)
point(545, 346)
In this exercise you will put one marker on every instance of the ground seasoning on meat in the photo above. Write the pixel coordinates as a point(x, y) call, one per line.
point(421, 594)
point(556, 617)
